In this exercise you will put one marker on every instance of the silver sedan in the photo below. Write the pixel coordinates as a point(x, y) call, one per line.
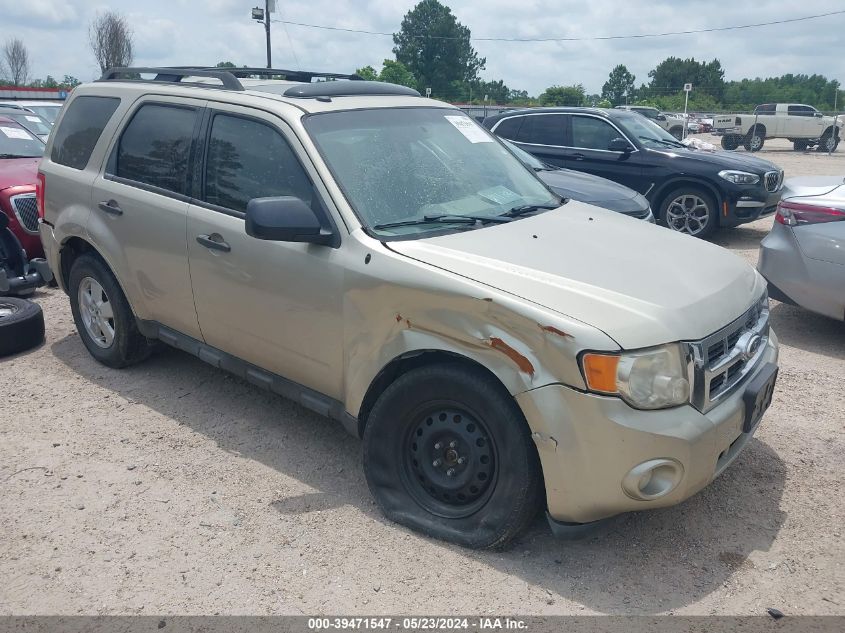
point(803, 257)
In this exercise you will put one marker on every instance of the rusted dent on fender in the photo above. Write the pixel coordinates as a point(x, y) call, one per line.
point(521, 361)
point(553, 330)
point(544, 442)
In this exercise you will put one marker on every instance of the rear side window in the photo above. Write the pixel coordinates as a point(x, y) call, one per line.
point(542, 129)
point(509, 128)
point(80, 129)
point(248, 159)
point(155, 147)
point(766, 108)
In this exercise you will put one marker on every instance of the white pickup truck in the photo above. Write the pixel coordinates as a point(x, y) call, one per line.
point(802, 124)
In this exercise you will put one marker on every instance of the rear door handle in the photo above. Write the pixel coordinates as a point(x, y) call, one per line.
point(577, 156)
point(111, 207)
point(215, 242)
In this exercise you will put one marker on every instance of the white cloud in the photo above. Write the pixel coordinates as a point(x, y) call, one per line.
point(174, 32)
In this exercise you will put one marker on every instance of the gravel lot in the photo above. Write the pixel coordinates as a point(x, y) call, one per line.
point(175, 488)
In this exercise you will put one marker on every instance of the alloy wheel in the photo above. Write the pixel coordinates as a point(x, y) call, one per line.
point(688, 213)
point(96, 312)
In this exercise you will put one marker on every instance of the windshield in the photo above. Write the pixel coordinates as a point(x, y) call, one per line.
point(31, 122)
point(527, 159)
point(47, 112)
point(646, 131)
point(415, 169)
point(16, 142)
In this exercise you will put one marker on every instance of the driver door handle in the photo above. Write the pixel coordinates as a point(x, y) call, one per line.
point(111, 207)
point(215, 242)
point(577, 156)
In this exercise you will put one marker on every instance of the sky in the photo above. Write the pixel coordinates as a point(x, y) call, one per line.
point(183, 32)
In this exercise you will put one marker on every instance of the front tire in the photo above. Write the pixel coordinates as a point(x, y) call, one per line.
point(447, 452)
point(755, 139)
point(690, 210)
point(103, 318)
point(828, 143)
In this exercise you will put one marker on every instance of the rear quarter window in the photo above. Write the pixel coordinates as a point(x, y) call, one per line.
point(80, 129)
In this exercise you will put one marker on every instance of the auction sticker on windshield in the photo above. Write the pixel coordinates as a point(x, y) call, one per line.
point(473, 132)
point(13, 132)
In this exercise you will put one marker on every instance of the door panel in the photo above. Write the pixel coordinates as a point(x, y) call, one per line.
point(139, 211)
point(277, 305)
point(589, 139)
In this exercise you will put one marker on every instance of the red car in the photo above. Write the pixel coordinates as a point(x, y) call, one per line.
point(20, 152)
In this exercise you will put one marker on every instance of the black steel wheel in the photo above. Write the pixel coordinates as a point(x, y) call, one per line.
point(450, 461)
point(447, 452)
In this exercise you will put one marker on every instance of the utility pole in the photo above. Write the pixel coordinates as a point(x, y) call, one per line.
point(267, 28)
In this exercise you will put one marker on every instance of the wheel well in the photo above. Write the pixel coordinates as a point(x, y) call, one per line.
point(405, 363)
point(70, 252)
point(759, 128)
point(832, 131)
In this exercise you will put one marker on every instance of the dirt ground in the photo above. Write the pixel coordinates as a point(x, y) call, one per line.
point(172, 487)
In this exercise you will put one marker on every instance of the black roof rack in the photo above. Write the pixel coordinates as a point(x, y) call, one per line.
point(174, 75)
point(328, 89)
point(301, 76)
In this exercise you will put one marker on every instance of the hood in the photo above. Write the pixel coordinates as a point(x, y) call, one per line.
point(810, 186)
point(585, 187)
point(640, 284)
point(18, 171)
point(719, 159)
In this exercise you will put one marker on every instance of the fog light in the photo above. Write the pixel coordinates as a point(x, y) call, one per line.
point(653, 479)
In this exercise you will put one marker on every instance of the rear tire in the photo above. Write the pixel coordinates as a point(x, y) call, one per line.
point(103, 318)
point(21, 325)
point(448, 418)
point(690, 210)
point(731, 142)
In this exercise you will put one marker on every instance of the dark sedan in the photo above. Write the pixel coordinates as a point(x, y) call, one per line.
point(586, 188)
point(691, 191)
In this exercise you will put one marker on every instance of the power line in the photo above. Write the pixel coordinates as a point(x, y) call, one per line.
point(573, 39)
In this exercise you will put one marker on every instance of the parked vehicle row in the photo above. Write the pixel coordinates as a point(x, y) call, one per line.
point(692, 191)
point(384, 260)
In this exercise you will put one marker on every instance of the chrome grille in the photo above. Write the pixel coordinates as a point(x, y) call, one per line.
point(774, 180)
point(721, 361)
point(27, 211)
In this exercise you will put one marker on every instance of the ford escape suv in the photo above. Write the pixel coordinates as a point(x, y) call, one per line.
point(382, 259)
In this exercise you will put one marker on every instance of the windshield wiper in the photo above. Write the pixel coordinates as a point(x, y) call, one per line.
point(444, 218)
point(530, 208)
point(663, 141)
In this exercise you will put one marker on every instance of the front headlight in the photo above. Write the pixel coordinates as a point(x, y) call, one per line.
point(739, 177)
point(653, 378)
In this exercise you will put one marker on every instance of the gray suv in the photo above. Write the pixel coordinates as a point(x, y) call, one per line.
point(385, 261)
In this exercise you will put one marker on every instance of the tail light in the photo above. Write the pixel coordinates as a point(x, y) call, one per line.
point(798, 214)
point(40, 186)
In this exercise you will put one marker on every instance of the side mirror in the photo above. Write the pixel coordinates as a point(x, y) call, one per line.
point(660, 117)
point(818, 114)
point(619, 144)
point(284, 219)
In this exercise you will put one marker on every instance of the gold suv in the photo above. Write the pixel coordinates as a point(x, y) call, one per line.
point(384, 260)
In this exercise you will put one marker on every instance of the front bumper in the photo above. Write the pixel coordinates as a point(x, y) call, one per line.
point(741, 205)
point(589, 444)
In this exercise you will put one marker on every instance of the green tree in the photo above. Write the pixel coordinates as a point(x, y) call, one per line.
point(436, 48)
point(225, 65)
point(69, 81)
point(670, 75)
point(619, 85)
point(396, 73)
point(367, 73)
point(563, 96)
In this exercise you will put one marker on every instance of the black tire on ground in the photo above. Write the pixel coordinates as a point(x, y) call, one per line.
point(731, 142)
point(710, 225)
point(755, 139)
point(21, 325)
point(450, 416)
point(799, 146)
point(677, 132)
point(128, 345)
point(828, 143)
